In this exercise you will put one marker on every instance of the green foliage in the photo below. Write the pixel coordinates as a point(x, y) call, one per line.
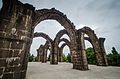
point(32, 58)
point(113, 58)
point(64, 58)
point(90, 56)
point(114, 50)
point(68, 58)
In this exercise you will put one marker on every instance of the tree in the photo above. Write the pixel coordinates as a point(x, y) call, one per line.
point(114, 50)
point(113, 58)
point(90, 55)
point(31, 57)
point(68, 58)
point(64, 58)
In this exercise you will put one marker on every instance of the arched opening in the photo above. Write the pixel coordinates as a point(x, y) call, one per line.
point(63, 42)
point(54, 14)
point(66, 54)
point(50, 29)
point(35, 45)
point(90, 52)
point(93, 39)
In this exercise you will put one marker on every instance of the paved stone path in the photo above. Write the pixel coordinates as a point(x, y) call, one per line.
point(64, 71)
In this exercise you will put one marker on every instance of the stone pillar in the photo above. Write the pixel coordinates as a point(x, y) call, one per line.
point(83, 52)
point(46, 47)
point(38, 55)
point(98, 53)
point(53, 57)
point(101, 42)
point(60, 55)
point(61, 52)
point(41, 53)
point(15, 40)
point(81, 59)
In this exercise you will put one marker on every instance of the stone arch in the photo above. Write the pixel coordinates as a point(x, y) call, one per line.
point(51, 42)
point(45, 36)
point(56, 42)
point(60, 34)
point(60, 53)
point(100, 60)
point(66, 41)
point(46, 14)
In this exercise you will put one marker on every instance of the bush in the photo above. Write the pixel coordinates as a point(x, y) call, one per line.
point(90, 56)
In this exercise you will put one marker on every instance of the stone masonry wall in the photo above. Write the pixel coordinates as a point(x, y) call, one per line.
point(15, 22)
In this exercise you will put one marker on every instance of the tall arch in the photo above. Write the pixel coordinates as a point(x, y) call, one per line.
point(60, 34)
point(56, 42)
point(100, 60)
point(44, 14)
point(60, 53)
point(51, 42)
point(66, 41)
point(45, 36)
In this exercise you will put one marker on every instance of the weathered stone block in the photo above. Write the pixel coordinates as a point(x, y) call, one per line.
point(17, 75)
point(16, 45)
point(8, 76)
point(16, 53)
point(4, 44)
point(12, 69)
point(3, 62)
point(14, 61)
point(23, 75)
point(1, 71)
point(5, 53)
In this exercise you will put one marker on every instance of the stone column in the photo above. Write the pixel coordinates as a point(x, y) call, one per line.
point(15, 40)
point(42, 53)
point(53, 58)
point(81, 59)
point(60, 55)
point(101, 42)
point(39, 55)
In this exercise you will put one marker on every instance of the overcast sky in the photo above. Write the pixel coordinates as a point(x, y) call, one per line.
point(101, 15)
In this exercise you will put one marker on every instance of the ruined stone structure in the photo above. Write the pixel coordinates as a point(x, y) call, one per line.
point(42, 53)
point(17, 24)
point(60, 53)
point(97, 45)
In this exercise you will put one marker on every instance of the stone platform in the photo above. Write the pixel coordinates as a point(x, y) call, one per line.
point(38, 70)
